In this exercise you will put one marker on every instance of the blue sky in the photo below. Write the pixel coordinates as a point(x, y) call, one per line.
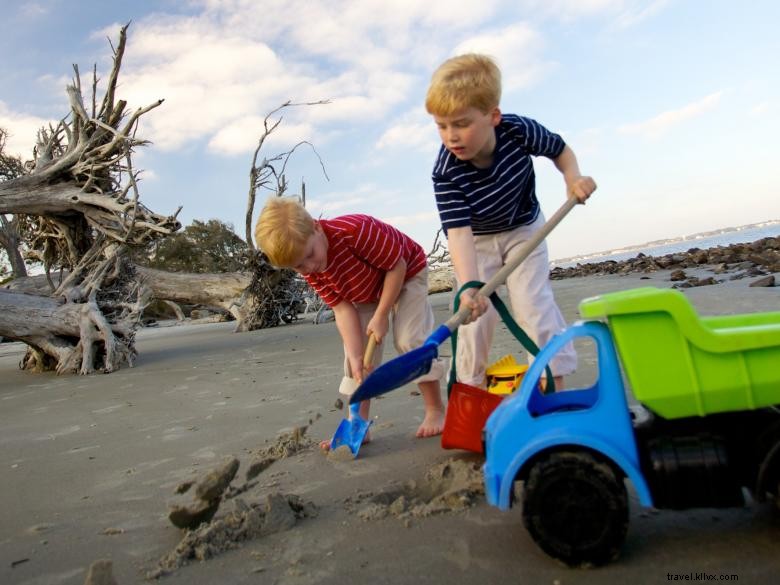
point(673, 106)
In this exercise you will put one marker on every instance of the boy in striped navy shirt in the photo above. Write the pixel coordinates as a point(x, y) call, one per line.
point(484, 184)
point(369, 273)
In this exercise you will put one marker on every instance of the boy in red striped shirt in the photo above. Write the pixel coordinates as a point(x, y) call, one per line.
point(369, 273)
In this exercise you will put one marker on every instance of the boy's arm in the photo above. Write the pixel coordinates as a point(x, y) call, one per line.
point(348, 324)
point(460, 242)
point(576, 185)
point(391, 288)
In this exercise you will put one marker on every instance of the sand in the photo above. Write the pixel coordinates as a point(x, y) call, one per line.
point(92, 467)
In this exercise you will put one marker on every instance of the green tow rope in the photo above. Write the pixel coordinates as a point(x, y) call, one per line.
point(511, 324)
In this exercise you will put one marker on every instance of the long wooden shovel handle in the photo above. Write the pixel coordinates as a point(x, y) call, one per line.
point(500, 277)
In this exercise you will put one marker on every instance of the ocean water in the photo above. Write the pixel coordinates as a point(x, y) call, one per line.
point(704, 240)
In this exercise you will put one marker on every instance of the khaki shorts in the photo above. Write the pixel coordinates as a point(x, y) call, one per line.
point(411, 319)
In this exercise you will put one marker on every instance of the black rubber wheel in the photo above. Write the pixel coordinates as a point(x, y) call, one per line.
point(576, 508)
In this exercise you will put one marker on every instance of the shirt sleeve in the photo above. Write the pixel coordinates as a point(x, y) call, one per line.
point(379, 244)
point(536, 139)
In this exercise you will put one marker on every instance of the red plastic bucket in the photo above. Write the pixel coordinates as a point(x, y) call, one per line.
point(468, 409)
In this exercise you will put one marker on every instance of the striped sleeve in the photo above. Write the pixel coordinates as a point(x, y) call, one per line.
point(378, 243)
point(382, 245)
point(534, 137)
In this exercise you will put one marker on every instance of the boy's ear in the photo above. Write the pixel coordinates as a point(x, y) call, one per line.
point(495, 116)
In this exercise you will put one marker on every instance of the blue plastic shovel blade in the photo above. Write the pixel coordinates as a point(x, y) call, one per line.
point(351, 431)
point(396, 372)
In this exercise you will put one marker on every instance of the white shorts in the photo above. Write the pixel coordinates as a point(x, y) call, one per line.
point(531, 301)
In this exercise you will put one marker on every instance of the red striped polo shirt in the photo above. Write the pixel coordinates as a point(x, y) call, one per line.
point(361, 250)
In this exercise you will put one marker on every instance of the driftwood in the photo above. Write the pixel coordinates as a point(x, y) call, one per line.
point(81, 211)
point(68, 336)
point(226, 291)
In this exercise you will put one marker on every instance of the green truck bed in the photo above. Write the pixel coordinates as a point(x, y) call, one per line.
point(680, 364)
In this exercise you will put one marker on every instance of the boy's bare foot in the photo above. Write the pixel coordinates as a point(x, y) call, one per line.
point(432, 424)
point(325, 445)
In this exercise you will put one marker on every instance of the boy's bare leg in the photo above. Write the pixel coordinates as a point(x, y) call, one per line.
point(433, 423)
point(365, 407)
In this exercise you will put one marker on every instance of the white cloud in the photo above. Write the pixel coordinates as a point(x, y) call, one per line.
point(148, 175)
point(760, 109)
point(667, 121)
point(366, 31)
point(22, 131)
point(409, 136)
point(209, 80)
point(568, 10)
point(635, 14)
point(413, 131)
point(517, 50)
point(237, 60)
point(242, 136)
point(214, 76)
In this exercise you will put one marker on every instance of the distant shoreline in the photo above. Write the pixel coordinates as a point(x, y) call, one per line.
point(743, 260)
point(695, 240)
point(735, 261)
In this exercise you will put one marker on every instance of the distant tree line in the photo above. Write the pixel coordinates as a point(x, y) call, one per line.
point(11, 167)
point(202, 247)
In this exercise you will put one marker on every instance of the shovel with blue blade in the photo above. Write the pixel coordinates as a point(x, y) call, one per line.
point(351, 431)
point(405, 368)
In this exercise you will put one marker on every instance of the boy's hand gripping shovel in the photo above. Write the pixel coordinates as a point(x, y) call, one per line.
point(413, 364)
point(351, 431)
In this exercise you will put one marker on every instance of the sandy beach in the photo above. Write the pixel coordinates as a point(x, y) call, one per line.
point(90, 466)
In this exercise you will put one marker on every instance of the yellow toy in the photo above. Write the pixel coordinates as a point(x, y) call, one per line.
point(504, 376)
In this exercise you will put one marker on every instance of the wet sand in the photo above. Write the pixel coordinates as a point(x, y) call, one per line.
point(91, 465)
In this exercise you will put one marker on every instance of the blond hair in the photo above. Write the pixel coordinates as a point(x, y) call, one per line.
point(466, 81)
point(283, 230)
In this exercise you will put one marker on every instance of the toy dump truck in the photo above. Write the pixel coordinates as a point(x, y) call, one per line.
point(710, 390)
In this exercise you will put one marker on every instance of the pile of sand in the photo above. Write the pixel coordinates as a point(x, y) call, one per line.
point(451, 486)
point(206, 537)
point(286, 445)
point(245, 522)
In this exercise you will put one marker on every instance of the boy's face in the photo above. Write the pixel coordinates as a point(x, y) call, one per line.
point(469, 134)
point(315, 254)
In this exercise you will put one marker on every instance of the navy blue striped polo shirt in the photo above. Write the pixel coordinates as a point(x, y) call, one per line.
point(503, 196)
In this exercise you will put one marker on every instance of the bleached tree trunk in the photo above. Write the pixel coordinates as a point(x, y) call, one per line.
point(82, 202)
point(70, 337)
point(226, 291)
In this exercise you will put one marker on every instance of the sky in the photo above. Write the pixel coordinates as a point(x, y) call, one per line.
point(673, 106)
